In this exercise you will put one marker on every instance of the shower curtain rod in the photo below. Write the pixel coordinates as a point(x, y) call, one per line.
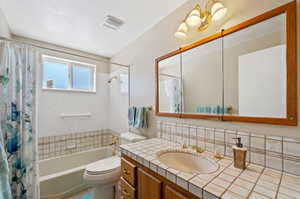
point(52, 49)
point(127, 66)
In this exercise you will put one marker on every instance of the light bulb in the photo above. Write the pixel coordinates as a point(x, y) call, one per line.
point(194, 18)
point(181, 32)
point(218, 11)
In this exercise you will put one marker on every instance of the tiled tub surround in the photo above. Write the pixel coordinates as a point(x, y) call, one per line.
point(256, 182)
point(55, 146)
point(279, 153)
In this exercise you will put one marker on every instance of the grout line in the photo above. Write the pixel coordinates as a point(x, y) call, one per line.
point(282, 155)
point(265, 152)
point(250, 147)
point(252, 190)
point(278, 187)
point(231, 183)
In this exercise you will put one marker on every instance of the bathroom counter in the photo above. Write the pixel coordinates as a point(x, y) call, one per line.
point(228, 182)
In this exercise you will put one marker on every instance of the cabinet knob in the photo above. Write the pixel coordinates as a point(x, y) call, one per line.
point(125, 192)
point(126, 172)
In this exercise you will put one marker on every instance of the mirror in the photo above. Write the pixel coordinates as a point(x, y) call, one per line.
point(255, 70)
point(202, 79)
point(246, 73)
point(170, 85)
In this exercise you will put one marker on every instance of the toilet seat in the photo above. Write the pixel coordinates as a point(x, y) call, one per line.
point(104, 166)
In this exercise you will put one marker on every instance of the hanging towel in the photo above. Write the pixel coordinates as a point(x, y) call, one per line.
point(145, 118)
point(5, 192)
point(141, 118)
point(131, 116)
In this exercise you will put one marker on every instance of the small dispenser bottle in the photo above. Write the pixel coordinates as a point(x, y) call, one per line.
point(240, 154)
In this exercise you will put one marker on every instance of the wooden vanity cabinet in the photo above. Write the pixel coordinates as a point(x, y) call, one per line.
point(148, 186)
point(127, 191)
point(143, 183)
point(170, 193)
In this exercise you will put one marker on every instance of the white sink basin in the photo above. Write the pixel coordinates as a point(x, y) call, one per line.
point(188, 162)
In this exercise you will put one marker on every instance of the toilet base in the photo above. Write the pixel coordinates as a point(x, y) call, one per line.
point(104, 192)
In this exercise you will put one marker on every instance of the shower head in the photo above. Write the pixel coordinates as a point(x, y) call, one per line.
point(111, 79)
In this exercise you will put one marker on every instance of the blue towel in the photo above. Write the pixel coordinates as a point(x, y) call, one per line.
point(138, 117)
point(131, 116)
point(5, 192)
point(213, 109)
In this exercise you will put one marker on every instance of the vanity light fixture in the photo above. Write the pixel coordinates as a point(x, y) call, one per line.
point(200, 20)
point(182, 31)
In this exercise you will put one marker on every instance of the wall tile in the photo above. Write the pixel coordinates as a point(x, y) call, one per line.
point(55, 146)
point(275, 152)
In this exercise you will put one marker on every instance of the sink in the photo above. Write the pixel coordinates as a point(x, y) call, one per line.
point(188, 162)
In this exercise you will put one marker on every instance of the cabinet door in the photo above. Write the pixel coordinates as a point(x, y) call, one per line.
point(148, 186)
point(172, 194)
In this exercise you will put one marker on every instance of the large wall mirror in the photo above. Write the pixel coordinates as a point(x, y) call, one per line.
point(246, 73)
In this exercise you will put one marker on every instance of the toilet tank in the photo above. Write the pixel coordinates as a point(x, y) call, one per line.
point(128, 137)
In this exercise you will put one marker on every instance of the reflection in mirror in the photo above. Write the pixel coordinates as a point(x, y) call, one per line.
point(255, 69)
point(170, 85)
point(202, 79)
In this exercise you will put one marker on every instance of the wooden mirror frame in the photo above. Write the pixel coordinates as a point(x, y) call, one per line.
point(291, 59)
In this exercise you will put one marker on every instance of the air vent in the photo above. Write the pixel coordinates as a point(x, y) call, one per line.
point(112, 22)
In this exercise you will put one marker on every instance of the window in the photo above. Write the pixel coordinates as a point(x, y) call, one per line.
point(62, 74)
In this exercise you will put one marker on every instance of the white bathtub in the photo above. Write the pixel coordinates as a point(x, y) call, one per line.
point(62, 176)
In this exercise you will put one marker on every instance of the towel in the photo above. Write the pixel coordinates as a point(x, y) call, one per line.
point(5, 192)
point(131, 116)
point(213, 109)
point(138, 117)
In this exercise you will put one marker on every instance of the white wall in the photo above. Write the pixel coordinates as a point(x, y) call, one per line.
point(202, 76)
point(160, 40)
point(53, 103)
point(4, 28)
point(118, 102)
point(262, 83)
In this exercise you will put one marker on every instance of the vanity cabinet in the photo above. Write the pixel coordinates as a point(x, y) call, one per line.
point(139, 182)
point(149, 187)
point(170, 193)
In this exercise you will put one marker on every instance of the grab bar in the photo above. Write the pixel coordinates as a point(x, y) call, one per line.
point(75, 115)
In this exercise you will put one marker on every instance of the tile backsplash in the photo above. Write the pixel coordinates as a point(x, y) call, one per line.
point(55, 146)
point(276, 152)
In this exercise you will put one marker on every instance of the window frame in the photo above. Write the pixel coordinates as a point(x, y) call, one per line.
point(70, 64)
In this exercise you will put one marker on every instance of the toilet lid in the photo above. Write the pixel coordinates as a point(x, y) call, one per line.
point(104, 166)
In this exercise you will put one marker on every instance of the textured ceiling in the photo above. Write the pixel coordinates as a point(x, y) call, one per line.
point(78, 23)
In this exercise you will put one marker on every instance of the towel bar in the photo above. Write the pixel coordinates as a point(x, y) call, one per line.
point(75, 115)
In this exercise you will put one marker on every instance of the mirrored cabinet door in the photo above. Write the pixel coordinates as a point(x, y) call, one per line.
point(255, 70)
point(202, 79)
point(170, 85)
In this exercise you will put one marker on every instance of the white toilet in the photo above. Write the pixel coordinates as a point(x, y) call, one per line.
point(104, 174)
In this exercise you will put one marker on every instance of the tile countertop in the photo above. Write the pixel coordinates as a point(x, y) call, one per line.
point(255, 182)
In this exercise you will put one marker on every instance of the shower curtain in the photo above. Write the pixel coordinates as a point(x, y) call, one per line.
point(173, 91)
point(18, 64)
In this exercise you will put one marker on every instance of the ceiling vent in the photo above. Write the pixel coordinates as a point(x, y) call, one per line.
point(112, 22)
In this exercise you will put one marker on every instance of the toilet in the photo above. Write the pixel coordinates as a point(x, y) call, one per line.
point(104, 174)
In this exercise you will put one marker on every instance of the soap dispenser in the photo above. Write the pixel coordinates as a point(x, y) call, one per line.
point(240, 154)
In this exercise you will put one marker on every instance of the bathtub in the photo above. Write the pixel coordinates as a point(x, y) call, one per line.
point(62, 176)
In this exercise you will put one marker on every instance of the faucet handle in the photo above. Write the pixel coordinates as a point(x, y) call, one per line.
point(197, 149)
point(184, 146)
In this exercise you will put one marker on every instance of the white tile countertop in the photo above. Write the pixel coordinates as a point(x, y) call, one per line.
point(255, 182)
